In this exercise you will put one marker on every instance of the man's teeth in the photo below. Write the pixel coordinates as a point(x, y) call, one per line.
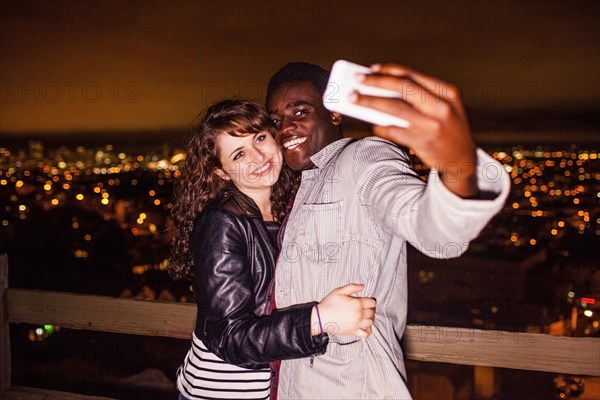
point(293, 143)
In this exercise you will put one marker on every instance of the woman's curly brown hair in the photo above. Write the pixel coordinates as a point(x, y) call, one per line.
point(198, 185)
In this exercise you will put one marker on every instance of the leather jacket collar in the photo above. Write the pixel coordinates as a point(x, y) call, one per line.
point(236, 202)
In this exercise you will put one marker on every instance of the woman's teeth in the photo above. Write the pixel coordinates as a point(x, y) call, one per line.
point(263, 168)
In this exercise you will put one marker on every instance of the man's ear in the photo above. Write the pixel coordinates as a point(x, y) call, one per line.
point(221, 174)
point(336, 118)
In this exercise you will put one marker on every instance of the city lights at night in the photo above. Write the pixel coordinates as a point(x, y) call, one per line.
point(97, 99)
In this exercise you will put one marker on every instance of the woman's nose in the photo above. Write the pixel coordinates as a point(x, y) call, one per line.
point(257, 155)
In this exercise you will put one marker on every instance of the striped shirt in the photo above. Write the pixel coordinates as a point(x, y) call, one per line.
point(203, 375)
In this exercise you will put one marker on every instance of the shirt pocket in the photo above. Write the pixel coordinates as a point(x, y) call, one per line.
point(320, 223)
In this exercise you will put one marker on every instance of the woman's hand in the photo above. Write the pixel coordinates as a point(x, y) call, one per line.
point(341, 313)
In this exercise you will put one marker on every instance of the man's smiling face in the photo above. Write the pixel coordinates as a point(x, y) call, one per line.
point(303, 124)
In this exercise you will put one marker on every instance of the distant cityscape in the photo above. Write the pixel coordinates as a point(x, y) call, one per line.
point(96, 219)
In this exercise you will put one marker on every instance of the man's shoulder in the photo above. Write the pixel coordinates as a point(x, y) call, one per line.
point(368, 148)
point(376, 141)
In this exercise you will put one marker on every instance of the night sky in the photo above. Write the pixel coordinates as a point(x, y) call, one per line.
point(102, 65)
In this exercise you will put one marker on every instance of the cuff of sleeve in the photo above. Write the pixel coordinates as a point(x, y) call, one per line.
point(318, 343)
point(493, 183)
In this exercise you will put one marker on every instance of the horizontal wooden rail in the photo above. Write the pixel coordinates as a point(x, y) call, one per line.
point(516, 350)
point(101, 313)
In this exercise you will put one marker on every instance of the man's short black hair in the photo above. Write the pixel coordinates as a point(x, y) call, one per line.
point(298, 71)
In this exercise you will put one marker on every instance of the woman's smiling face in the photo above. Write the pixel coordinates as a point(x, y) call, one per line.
point(251, 161)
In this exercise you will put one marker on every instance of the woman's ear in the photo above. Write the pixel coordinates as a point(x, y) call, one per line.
point(221, 174)
point(336, 118)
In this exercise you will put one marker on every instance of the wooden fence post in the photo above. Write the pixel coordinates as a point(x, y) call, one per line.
point(4, 328)
point(484, 385)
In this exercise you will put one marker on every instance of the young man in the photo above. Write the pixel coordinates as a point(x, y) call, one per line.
point(358, 206)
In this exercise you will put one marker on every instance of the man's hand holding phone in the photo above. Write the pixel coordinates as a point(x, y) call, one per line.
point(436, 125)
point(343, 83)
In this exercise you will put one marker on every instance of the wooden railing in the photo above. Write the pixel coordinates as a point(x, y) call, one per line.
point(515, 350)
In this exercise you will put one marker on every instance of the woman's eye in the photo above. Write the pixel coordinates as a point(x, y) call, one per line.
point(261, 138)
point(238, 155)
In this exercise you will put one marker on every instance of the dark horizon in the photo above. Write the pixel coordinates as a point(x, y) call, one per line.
point(516, 127)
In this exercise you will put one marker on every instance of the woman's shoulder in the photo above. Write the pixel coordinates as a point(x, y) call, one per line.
point(229, 205)
point(238, 204)
point(214, 221)
point(225, 216)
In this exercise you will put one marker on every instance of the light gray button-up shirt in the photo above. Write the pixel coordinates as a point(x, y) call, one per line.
point(351, 220)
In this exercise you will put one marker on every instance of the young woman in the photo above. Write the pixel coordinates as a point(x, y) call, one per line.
point(230, 201)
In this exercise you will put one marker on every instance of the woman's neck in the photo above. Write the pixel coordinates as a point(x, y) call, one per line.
point(262, 199)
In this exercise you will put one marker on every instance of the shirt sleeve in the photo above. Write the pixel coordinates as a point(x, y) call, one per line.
point(433, 219)
point(224, 289)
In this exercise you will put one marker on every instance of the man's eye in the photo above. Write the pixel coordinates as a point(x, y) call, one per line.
point(276, 121)
point(238, 155)
point(300, 112)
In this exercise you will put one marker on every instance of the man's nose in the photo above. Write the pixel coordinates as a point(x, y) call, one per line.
point(287, 125)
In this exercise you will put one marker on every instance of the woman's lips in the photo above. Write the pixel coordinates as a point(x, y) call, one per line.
point(264, 169)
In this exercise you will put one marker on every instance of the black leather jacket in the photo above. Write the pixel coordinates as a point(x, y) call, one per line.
point(234, 259)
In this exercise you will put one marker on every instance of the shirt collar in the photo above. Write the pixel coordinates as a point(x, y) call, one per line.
point(327, 153)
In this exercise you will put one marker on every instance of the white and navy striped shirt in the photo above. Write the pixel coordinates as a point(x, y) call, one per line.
point(203, 375)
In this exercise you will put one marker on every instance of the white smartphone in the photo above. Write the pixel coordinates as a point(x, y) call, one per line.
point(342, 83)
